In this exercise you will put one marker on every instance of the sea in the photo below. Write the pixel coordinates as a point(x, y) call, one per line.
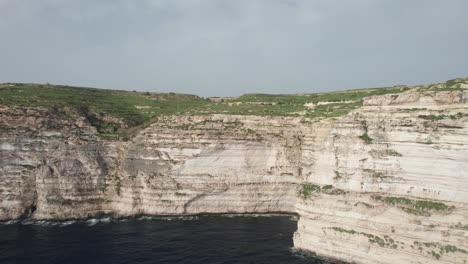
point(188, 239)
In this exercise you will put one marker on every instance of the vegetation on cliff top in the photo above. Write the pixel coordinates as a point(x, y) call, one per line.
point(136, 108)
point(457, 84)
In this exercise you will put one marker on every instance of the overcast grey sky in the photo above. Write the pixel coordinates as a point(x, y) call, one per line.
point(231, 47)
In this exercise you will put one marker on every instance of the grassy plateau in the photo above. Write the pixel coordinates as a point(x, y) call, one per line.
point(138, 108)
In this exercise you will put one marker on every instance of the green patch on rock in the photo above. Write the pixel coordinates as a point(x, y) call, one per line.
point(365, 136)
point(417, 207)
point(437, 250)
point(337, 175)
point(456, 116)
point(459, 225)
point(308, 189)
point(376, 174)
point(392, 152)
point(385, 241)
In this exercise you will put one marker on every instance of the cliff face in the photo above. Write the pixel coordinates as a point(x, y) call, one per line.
point(389, 183)
point(52, 165)
point(54, 168)
point(386, 183)
point(214, 164)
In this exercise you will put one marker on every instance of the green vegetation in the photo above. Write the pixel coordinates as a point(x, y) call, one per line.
point(308, 189)
point(337, 176)
point(450, 85)
point(182, 127)
point(406, 110)
point(375, 174)
point(114, 113)
point(120, 104)
point(365, 204)
point(455, 82)
point(459, 115)
point(137, 108)
point(333, 109)
point(118, 186)
point(132, 108)
point(108, 129)
point(365, 137)
point(418, 207)
point(431, 117)
point(104, 187)
point(386, 241)
point(437, 249)
point(392, 152)
point(332, 104)
point(460, 226)
point(435, 255)
point(427, 124)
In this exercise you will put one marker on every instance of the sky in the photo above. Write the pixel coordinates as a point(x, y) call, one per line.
point(233, 47)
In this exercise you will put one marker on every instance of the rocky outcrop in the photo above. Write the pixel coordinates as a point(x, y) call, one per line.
point(386, 183)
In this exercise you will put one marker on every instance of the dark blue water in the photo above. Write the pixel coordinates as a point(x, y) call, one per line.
point(204, 239)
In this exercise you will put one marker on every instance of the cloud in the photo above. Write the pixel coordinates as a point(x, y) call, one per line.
point(228, 47)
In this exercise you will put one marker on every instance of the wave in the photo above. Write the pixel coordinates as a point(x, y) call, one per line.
point(94, 221)
point(293, 217)
point(46, 223)
point(67, 223)
point(105, 220)
point(10, 222)
point(27, 222)
point(170, 218)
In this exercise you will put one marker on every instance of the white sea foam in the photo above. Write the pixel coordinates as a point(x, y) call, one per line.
point(145, 218)
point(92, 222)
point(67, 223)
point(189, 218)
point(11, 222)
point(105, 220)
point(27, 222)
point(42, 223)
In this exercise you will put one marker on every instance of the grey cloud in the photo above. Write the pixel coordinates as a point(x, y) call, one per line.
point(228, 47)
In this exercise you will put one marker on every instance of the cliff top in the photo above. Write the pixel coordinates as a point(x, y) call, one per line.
point(103, 107)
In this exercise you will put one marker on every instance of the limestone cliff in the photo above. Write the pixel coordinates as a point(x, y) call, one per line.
point(386, 183)
point(55, 168)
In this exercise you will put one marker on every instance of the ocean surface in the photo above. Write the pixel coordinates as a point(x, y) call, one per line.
point(196, 239)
